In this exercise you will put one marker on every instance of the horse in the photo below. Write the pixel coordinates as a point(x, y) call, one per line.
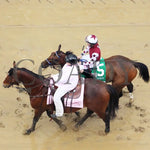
point(120, 70)
point(98, 97)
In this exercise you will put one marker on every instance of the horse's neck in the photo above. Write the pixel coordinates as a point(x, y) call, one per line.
point(29, 82)
point(62, 60)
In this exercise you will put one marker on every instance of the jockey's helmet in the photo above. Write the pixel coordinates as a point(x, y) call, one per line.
point(71, 58)
point(91, 39)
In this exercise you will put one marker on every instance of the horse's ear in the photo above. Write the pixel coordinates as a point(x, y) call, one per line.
point(14, 64)
point(59, 47)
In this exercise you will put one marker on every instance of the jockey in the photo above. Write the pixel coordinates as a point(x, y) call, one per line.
point(67, 82)
point(94, 53)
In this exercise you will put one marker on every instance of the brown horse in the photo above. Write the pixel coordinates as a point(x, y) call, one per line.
point(98, 97)
point(120, 70)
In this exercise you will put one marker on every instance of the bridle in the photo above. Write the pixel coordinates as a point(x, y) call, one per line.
point(49, 61)
point(51, 64)
point(57, 54)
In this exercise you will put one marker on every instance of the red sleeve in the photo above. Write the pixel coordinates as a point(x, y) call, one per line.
point(98, 51)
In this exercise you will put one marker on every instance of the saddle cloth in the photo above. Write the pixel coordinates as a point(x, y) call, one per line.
point(100, 70)
point(73, 98)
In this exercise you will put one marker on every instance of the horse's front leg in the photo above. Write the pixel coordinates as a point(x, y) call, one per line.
point(37, 115)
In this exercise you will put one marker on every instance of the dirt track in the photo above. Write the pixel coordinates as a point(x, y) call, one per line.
point(32, 29)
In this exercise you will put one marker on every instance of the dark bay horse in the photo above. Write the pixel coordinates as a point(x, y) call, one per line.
point(120, 70)
point(98, 97)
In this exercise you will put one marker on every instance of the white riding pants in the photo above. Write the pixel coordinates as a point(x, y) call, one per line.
point(60, 92)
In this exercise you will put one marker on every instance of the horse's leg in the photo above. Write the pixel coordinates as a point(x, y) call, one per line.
point(120, 94)
point(107, 123)
point(59, 122)
point(130, 89)
point(77, 114)
point(37, 115)
point(106, 118)
point(88, 114)
point(118, 88)
point(117, 101)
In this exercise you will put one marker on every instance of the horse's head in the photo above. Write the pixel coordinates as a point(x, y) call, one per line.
point(56, 58)
point(11, 78)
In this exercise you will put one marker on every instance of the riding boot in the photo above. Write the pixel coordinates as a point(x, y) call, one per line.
point(87, 73)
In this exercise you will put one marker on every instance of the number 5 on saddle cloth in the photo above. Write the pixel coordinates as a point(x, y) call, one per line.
point(99, 70)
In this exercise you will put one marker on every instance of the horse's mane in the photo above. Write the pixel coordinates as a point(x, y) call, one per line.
point(68, 53)
point(26, 70)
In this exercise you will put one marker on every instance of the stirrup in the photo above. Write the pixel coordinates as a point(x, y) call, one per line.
point(53, 116)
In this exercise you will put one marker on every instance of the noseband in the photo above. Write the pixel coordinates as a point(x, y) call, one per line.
point(51, 63)
point(48, 62)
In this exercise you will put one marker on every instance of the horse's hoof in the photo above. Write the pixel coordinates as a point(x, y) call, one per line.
point(107, 131)
point(76, 128)
point(131, 100)
point(63, 127)
point(27, 132)
point(129, 104)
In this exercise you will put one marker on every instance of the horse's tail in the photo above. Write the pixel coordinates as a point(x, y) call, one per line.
point(143, 70)
point(114, 98)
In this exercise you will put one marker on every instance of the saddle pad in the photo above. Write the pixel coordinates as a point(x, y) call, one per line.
point(100, 70)
point(69, 102)
point(75, 102)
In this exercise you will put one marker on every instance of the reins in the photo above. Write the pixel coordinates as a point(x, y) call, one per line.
point(52, 63)
point(28, 89)
point(48, 86)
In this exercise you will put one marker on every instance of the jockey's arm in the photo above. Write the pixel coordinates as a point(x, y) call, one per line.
point(85, 51)
point(92, 60)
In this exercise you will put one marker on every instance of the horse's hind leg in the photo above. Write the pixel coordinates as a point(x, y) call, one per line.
point(88, 114)
point(37, 115)
point(77, 114)
point(106, 119)
point(130, 89)
point(107, 123)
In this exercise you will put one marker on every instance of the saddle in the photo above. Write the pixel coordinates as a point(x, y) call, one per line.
point(74, 98)
point(75, 93)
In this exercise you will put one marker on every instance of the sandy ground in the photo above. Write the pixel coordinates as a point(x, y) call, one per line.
point(32, 29)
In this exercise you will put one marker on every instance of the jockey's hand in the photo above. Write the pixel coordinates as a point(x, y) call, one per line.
point(81, 71)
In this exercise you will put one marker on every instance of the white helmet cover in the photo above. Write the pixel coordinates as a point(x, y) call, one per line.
point(92, 39)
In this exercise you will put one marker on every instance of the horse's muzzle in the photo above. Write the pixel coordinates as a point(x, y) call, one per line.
point(44, 65)
point(6, 85)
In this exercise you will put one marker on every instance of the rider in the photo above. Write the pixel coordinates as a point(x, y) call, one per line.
point(68, 81)
point(94, 53)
